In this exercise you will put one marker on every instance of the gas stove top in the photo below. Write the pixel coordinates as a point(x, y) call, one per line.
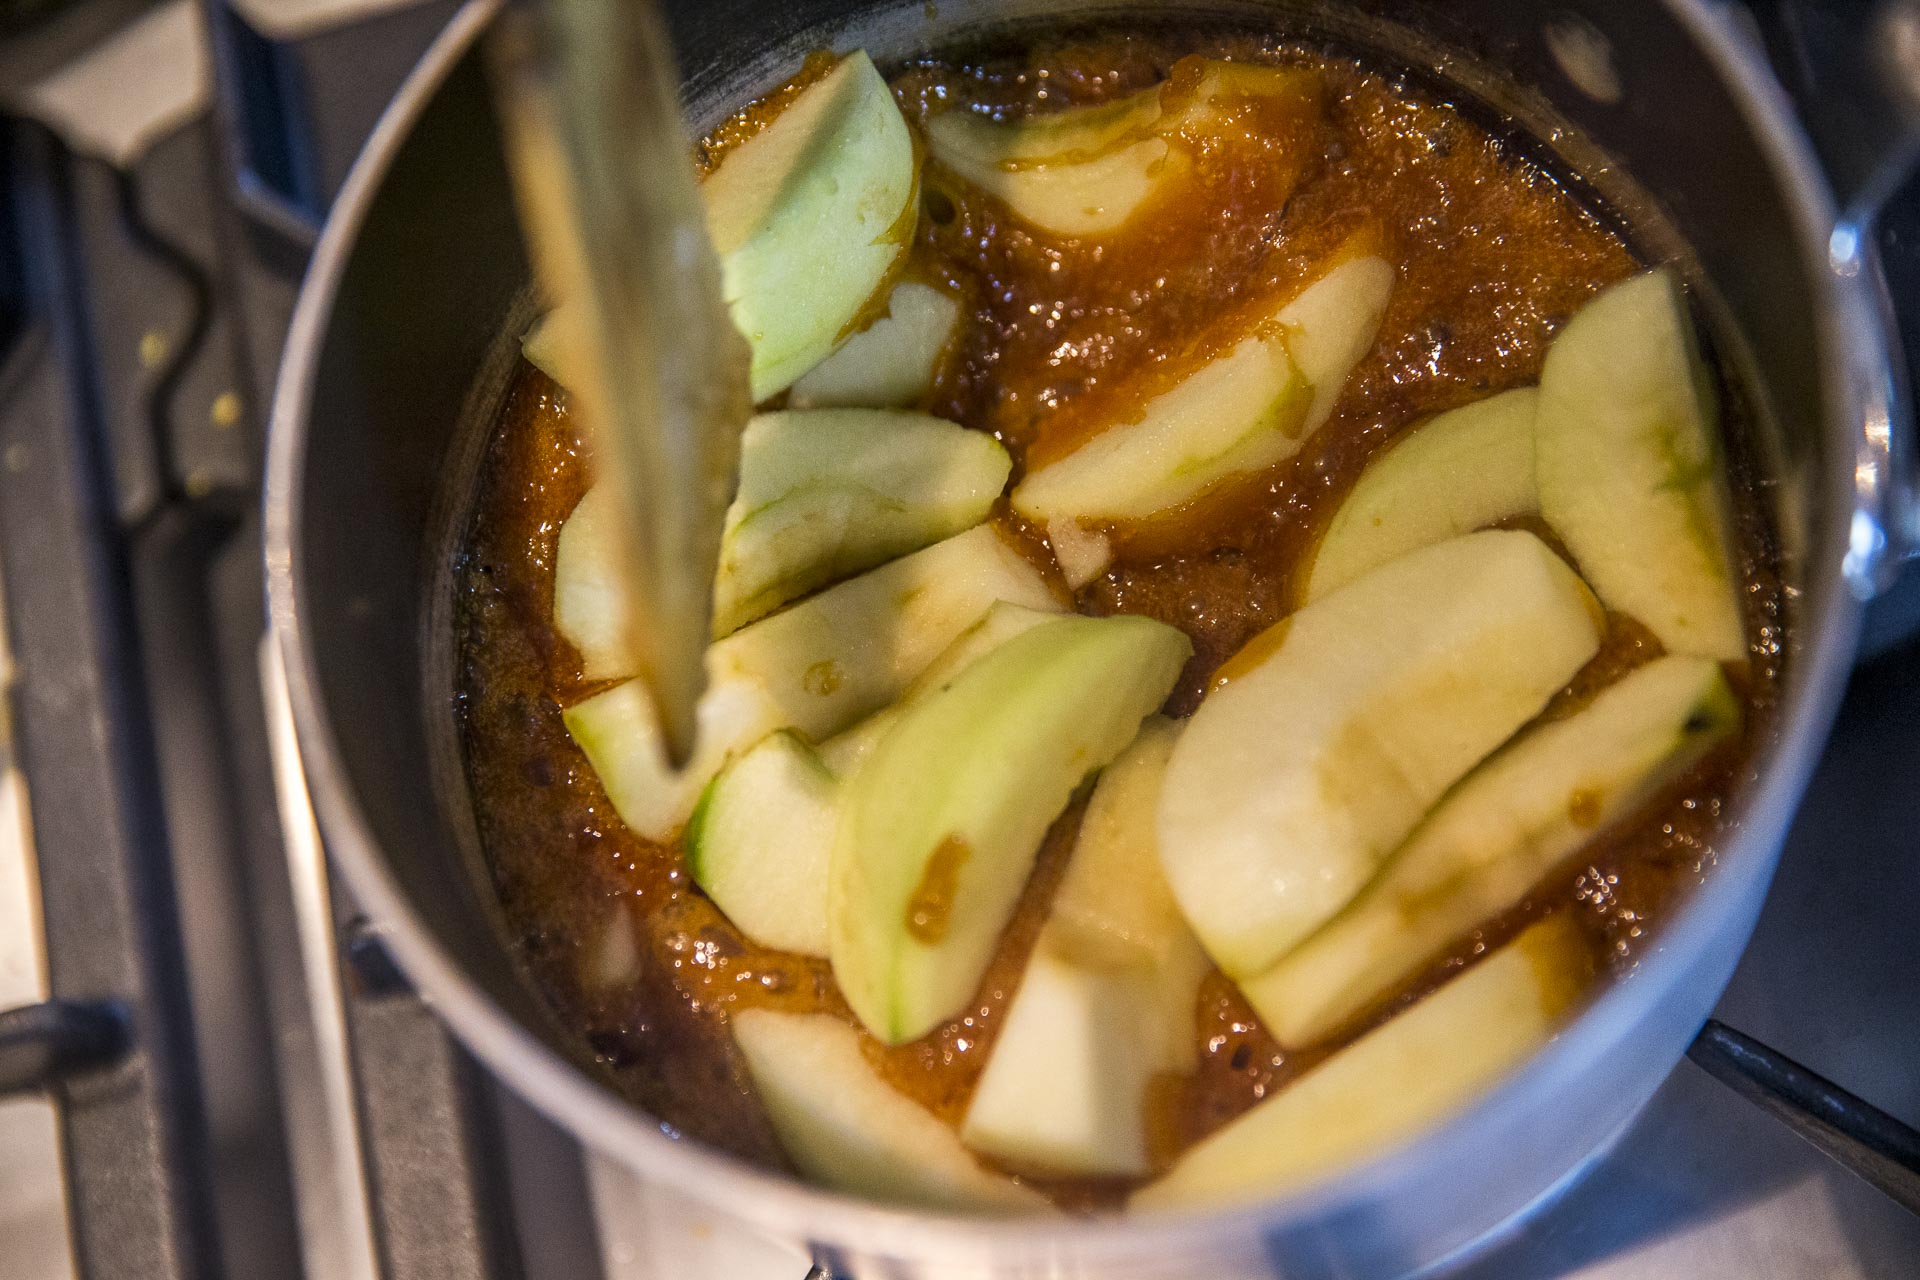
point(251, 1090)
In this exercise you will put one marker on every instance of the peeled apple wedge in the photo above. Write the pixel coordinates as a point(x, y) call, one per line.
point(816, 667)
point(1107, 998)
point(828, 493)
point(1511, 822)
point(844, 751)
point(1243, 411)
point(1080, 172)
point(809, 216)
point(759, 840)
point(846, 1128)
point(1393, 1083)
point(1458, 471)
point(890, 364)
point(589, 587)
point(1331, 734)
point(1086, 171)
point(761, 837)
point(853, 648)
point(943, 819)
point(1629, 464)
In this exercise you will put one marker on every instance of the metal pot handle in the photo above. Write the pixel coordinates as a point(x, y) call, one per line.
point(1853, 69)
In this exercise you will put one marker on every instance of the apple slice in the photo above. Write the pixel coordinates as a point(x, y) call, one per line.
point(1080, 172)
point(761, 837)
point(1086, 171)
point(828, 493)
point(891, 363)
point(759, 840)
point(846, 1128)
point(618, 730)
point(810, 217)
point(817, 667)
point(1415, 1071)
point(1456, 472)
point(853, 648)
point(1246, 410)
point(1629, 463)
point(1107, 998)
point(589, 588)
point(1332, 733)
point(1511, 822)
point(943, 819)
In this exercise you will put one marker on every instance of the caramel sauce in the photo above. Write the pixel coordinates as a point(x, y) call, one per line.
point(930, 906)
point(1061, 337)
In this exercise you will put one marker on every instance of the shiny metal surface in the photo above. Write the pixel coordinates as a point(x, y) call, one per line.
point(1396, 1215)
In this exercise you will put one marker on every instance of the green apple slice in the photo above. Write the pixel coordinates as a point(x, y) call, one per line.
point(761, 837)
point(817, 666)
point(943, 819)
point(618, 729)
point(759, 840)
point(846, 1128)
point(855, 647)
point(589, 588)
point(548, 340)
point(810, 217)
point(1080, 172)
point(1511, 822)
point(1107, 998)
point(1113, 905)
point(1246, 410)
point(844, 751)
point(831, 492)
point(1335, 731)
point(891, 363)
point(1456, 472)
point(1629, 463)
point(1393, 1083)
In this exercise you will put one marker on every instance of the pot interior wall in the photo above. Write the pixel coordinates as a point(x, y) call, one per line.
point(419, 346)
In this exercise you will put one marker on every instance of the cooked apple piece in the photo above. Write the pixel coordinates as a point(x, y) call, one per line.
point(817, 667)
point(1332, 733)
point(1244, 411)
point(548, 340)
point(809, 216)
point(844, 751)
point(831, 492)
point(618, 729)
point(761, 837)
point(1511, 822)
point(853, 648)
point(1107, 998)
point(890, 364)
point(1456, 472)
point(1080, 172)
point(1629, 463)
point(759, 840)
point(589, 588)
point(1086, 171)
point(1202, 95)
point(944, 817)
point(846, 1128)
point(1393, 1083)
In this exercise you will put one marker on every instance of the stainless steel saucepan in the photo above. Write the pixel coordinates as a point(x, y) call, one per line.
point(404, 341)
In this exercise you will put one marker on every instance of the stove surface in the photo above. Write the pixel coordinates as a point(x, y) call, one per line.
point(353, 1139)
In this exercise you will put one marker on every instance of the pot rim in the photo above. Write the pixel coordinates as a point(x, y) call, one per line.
point(793, 1209)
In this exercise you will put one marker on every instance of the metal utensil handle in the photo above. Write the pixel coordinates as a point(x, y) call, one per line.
point(604, 170)
point(1853, 1132)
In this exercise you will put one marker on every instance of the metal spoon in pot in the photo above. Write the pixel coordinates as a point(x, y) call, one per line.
point(603, 168)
